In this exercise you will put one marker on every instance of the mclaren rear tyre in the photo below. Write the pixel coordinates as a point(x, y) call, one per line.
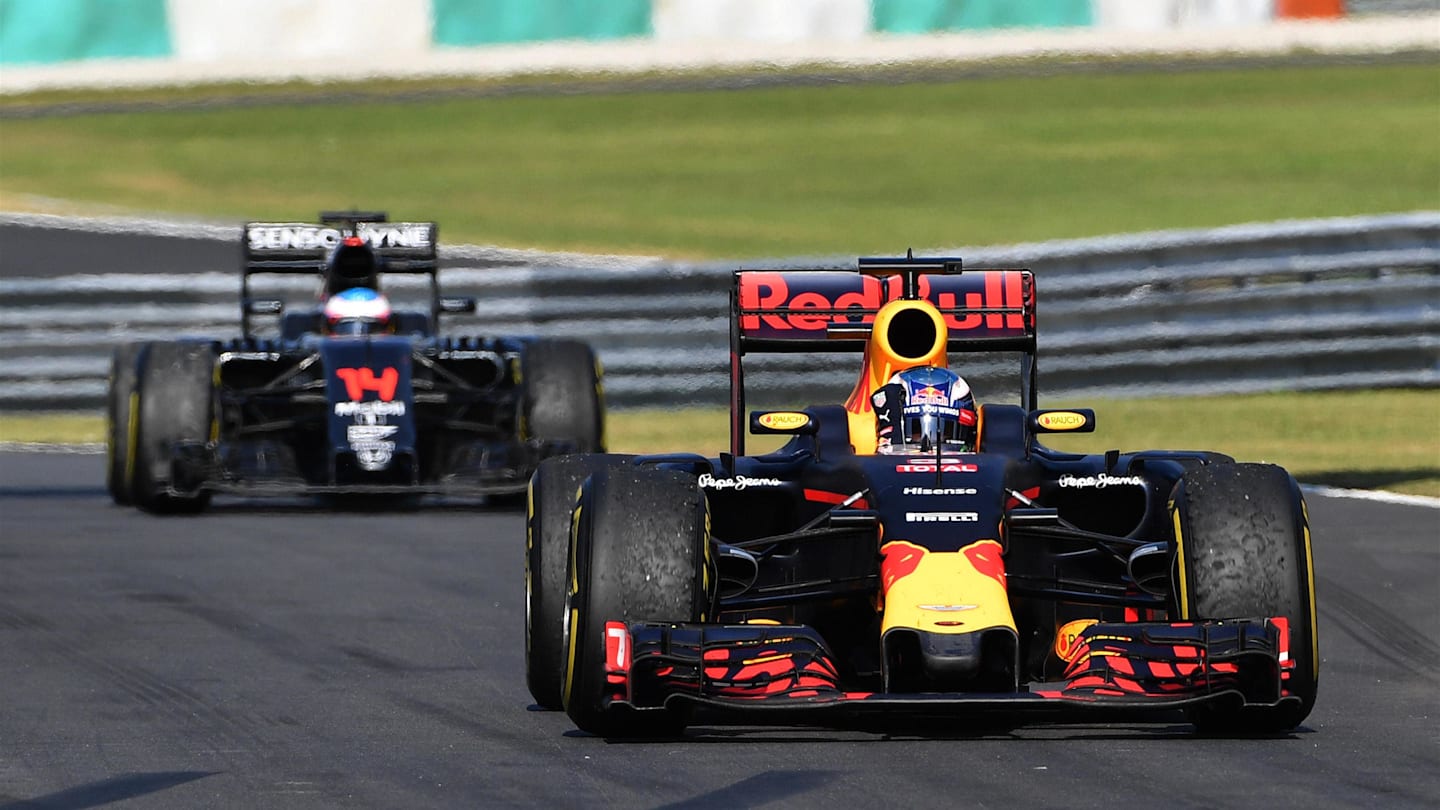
point(1243, 550)
point(176, 404)
point(119, 427)
point(639, 550)
point(562, 395)
point(549, 504)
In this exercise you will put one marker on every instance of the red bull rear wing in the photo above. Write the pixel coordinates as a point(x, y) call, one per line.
point(830, 310)
point(771, 673)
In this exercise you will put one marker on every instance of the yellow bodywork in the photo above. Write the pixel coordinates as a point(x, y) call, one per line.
point(882, 361)
point(944, 591)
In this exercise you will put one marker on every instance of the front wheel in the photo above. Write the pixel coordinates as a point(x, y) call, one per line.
point(639, 550)
point(119, 424)
point(549, 504)
point(176, 404)
point(1243, 549)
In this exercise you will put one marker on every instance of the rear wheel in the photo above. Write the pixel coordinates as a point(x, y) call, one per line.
point(1244, 551)
point(638, 551)
point(119, 430)
point(547, 546)
point(176, 404)
point(562, 400)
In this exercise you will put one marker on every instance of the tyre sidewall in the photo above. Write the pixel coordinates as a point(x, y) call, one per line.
point(562, 397)
point(119, 425)
point(550, 500)
point(1244, 551)
point(176, 399)
point(639, 551)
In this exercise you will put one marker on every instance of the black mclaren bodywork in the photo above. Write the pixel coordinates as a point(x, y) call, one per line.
point(405, 411)
point(829, 583)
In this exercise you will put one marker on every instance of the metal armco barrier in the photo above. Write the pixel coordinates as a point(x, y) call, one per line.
point(1320, 304)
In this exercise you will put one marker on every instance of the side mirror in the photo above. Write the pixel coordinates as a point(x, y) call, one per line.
point(1078, 420)
point(263, 306)
point(465, 305)
point(790, 422)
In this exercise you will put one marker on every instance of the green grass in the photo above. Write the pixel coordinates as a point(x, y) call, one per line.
point(1386, 440)
point(848, 169)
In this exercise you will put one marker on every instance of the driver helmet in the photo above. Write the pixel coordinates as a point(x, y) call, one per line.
point(922, 409)
point(358, 311)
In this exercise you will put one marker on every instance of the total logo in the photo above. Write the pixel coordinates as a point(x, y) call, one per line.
point(942, 517)
point(917, 465)
point(939, 491)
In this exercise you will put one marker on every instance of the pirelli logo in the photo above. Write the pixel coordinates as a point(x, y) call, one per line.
point(942, 517)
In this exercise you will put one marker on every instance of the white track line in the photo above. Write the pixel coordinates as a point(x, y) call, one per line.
point(1371, 495)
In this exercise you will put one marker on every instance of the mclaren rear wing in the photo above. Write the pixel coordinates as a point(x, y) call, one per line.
point(301, 248)
point(828, 310)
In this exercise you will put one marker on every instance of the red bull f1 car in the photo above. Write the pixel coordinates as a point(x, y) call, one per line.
point(348, 397)
point(843, 581)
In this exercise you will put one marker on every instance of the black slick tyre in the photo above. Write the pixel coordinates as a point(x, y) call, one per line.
point(550, 501)
point(1244, 551)
point(638, 551)
point(562, 397)
point(176, 404)
point(119, 427)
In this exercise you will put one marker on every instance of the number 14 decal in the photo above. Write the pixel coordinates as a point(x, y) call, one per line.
point(360, 380)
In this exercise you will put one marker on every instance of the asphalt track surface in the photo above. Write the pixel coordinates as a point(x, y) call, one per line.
point(275, 654)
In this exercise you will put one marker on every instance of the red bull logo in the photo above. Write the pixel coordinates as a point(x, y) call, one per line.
point(929, 395)
point(841, 298)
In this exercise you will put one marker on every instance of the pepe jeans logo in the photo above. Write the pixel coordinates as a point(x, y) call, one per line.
point(1100, 481)
point(738, 483)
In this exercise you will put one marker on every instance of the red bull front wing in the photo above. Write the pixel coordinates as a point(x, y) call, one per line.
point(778, 673)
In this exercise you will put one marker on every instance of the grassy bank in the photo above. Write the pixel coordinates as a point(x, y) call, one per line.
point(847, 169)
point(1370, 440)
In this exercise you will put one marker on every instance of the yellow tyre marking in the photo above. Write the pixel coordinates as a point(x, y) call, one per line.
point(573, 617)
point(1184, 597)
point(132, 431)
point(1310, 573)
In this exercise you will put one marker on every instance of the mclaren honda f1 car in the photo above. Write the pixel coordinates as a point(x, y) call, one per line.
point(346, 399)
point(839, 581)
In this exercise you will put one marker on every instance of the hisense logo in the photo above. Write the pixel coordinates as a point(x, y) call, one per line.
point(939, 491)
